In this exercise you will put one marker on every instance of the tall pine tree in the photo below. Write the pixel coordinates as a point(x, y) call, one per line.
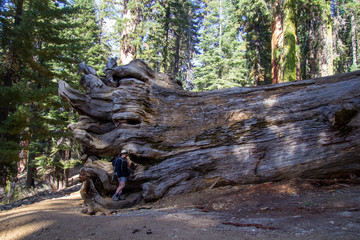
point(254, 17)
point(39, 45)
point(221, 61)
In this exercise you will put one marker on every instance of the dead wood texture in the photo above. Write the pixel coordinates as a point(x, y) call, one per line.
point(187, 141)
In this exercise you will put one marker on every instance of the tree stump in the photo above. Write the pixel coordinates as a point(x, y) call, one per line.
point(187, 141)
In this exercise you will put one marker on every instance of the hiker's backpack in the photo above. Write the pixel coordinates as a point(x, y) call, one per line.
point(115, 166)
point(122, 165)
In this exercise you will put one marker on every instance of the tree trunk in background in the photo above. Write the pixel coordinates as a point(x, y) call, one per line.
point(127, 48)
point(290, 49)
point(258, 76)
point(188, 78)
point(298, 57)
point(277, 41)
point(329, 48)
point(23, 156)
point(326, 48)
point(167, 32)
point(67, 169)
point(31, 170)
point(354, 42)
point(187, 141)
point(313, 64)
point(177, 54)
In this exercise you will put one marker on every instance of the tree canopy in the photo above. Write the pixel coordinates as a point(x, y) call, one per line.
point(206, 44)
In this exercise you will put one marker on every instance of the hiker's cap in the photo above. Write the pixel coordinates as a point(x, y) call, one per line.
point(124, 151)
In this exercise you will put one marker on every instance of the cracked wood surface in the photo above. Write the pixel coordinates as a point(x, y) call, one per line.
point(186, 141)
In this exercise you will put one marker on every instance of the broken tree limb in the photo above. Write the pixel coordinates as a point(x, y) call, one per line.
point(187, 141)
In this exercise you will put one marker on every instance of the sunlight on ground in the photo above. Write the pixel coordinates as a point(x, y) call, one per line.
point(25, 230)
point(10, 215)
point(30, 222)
point(189, 219)
point(287, 189)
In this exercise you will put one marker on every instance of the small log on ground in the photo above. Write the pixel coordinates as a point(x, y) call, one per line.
point(187, 141)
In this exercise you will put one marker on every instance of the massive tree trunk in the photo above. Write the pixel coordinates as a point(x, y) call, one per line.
point(187, 141)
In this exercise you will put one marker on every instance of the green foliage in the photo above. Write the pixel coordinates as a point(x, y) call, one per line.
point(221, 59)
point(335, 16)
point(41, 41)
point(254, 17)
point(170, 36)
point(51, 156)
point(209, 44)
point(92, 49)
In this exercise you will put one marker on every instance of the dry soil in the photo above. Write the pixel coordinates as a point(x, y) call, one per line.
point(289, 210)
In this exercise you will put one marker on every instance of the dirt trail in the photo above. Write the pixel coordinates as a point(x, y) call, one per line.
point(267, 211)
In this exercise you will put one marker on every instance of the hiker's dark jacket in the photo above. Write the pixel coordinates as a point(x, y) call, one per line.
point(120, 167)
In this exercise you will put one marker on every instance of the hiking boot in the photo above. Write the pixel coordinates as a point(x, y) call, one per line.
point(115, 198)
point(121, 197)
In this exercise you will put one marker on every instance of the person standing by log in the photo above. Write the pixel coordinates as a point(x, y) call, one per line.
point(121, 166)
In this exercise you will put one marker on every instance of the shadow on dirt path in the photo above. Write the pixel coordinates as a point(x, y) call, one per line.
point(291, 210)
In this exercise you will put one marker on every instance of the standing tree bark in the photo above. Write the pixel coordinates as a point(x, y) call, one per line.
point(354, 42)
point(285, 64)
point(165, 51)
point(128, 32)
point(290, 49)
point(312, 64)
point(177, 54)
point(31, 170)
point(326, 49)
point(277, 42)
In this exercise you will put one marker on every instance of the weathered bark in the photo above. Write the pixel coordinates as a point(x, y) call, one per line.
point(187, 141)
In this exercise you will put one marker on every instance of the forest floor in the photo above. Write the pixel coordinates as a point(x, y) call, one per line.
point(288, 210)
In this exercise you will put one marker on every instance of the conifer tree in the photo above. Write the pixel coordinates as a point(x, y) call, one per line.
point(171, 36)
point(352, 9)
point(221, 60)
point(254, 17)
point(39, 45)
point(93, 47)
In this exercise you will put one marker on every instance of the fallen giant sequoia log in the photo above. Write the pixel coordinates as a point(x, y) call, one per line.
point(187, 141)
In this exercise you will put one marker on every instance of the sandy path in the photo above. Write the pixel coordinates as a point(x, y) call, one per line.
point(61, 218)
